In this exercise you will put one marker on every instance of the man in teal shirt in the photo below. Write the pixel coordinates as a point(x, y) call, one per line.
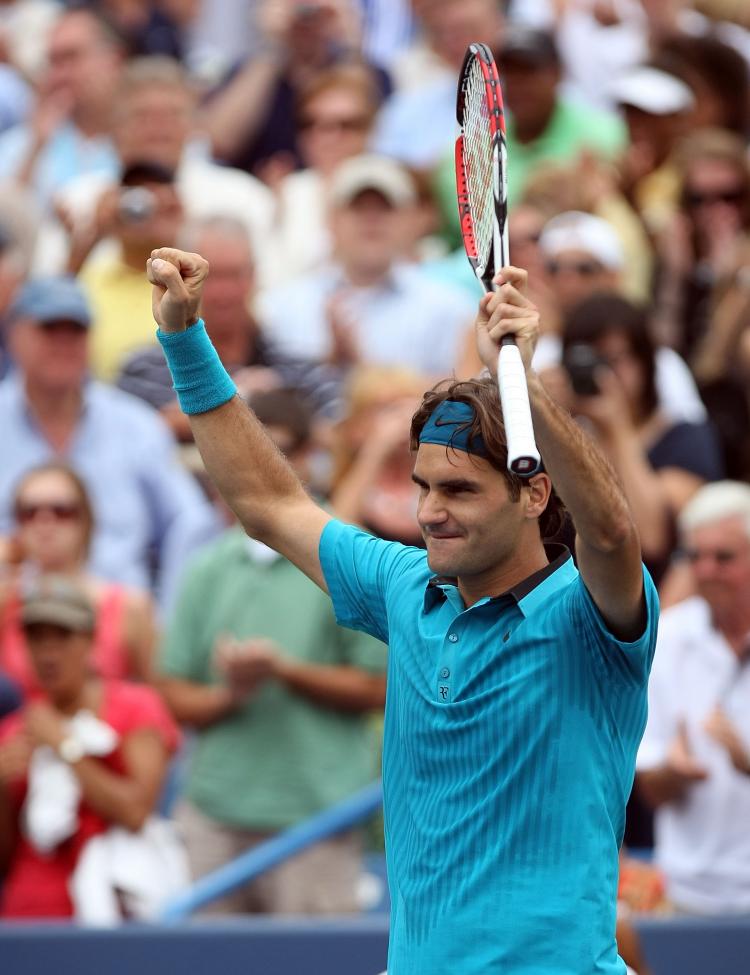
point(516, 682)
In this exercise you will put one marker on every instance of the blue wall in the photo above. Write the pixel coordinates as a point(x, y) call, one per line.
point(277, 946)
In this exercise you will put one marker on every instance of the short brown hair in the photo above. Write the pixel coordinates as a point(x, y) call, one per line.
point(483, 397)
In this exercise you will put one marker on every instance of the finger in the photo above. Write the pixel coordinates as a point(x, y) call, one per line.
point(504, 310)
point(168, 276)
point(516, 276)
point(525, 326)
point(188, 264)
point(509, 294)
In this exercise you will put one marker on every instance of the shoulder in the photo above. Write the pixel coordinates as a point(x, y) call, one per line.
point(434, 294)
point(691, 618)
point(117, 405)
point(131, 707)
point(599, 127)
point(692, 446)
point(345, 548)
point(221, 552)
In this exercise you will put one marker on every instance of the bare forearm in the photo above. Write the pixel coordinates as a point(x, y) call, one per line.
point(339, 688)
point(252, 475)
point(582, 476)
point(644, 492)
point(7, 831)
point(661, 785)
point(235, 114)
point(115, 797)
point(199, 705)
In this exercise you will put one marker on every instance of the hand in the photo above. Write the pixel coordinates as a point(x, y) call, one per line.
point(256, 379)
point(681, 760)
point(609, 411)
point(14, 757)
point(245, 664)
point(506, 311)
point(177, 277)
point(44, 724)
point(724, 732)
point(345, 349)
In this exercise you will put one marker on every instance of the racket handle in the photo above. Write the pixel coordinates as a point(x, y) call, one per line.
point(523, 456)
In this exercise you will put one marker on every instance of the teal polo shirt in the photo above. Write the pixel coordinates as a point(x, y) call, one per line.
point(511, 730)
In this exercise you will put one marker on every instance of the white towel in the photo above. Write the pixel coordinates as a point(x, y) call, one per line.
point(50, 812)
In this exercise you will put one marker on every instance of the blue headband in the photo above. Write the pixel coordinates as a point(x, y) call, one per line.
point(450, 424)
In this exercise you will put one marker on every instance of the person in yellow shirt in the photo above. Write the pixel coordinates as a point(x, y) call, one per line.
point(138, 214)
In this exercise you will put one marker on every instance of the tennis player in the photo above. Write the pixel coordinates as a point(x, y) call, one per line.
point(516, 682)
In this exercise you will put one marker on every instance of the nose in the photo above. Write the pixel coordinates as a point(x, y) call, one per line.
point(430, 510)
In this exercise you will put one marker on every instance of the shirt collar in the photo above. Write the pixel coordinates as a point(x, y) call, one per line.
point(526, 594)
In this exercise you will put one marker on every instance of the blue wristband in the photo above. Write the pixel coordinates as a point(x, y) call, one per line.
point(200, 380)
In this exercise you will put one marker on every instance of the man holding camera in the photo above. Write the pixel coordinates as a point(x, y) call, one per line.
point(136, 216)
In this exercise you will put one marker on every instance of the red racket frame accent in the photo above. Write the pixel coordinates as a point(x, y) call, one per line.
point(483, 56)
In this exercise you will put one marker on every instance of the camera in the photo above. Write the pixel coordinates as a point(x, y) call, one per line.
point(581, 363)
point(136, 204)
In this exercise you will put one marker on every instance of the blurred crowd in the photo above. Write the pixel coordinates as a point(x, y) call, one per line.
point(160, 669)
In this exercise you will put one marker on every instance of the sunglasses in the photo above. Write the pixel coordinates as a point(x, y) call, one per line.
point(586, 269)
point(720, 556)
point(696, 198)
point(353, 123)
point(60, 510)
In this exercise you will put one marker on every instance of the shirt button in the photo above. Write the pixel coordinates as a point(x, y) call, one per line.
point(453, 637)
point(445, 673)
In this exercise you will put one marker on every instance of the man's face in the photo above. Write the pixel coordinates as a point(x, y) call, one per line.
point(60, 658)
point(334, 127)
point(531, 93)
point(52, 356)
point(230, 285)
point(576, 275)
point(451, 25)
point(468, 521)
point(80, 62)
point(719, 554)
point(369, 231)
point(153, 124)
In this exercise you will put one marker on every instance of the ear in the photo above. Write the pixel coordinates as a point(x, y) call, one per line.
point(539, 489)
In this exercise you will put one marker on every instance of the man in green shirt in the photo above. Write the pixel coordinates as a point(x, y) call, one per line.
point(542, 126)
point(278, 695)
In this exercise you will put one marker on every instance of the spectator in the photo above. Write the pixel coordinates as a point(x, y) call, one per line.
point(694, 760)
point(148, 512)
point(83, 756)
point(718, 77)
point(335, 113)
point(657, 107)
point(144, 212)
point(582, 257)
point(54, 525)
point(367, 307)
point(251, 121)
point(69, 131)
point(238, 666)
point(418, 123)
point(372, 485)
point(708, 238)
point(246, 351)
point(541, 125)
point(661, 463)
point(154, 120)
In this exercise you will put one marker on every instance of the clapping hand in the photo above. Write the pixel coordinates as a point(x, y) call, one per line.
point(245, 664)
point(724, 732)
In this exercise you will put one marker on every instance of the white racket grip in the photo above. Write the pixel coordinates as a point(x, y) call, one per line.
point(523, 456)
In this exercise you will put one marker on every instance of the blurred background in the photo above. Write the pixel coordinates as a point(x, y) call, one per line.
point(306, 150)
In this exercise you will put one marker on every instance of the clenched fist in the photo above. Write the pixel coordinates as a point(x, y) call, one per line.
point(177, 277)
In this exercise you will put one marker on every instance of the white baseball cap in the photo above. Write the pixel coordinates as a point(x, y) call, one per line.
point(652, 90)
point(579, 231)
point(371, 172)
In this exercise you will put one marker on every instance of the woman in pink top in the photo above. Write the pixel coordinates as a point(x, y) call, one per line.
point(54, 526)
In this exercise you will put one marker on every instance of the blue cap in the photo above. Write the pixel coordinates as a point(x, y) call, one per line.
point(52, 300)
point(450, 424)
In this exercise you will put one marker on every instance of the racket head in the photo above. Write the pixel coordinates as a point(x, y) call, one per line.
point(482, 164)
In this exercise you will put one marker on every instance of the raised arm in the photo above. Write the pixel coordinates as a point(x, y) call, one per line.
point(607, 546)
point(252, 475)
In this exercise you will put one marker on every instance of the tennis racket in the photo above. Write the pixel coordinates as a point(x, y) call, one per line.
point(482, 188)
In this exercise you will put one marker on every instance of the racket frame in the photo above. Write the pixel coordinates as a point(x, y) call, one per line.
point(524, 461)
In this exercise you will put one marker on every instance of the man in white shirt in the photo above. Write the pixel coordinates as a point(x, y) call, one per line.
point(694, 762)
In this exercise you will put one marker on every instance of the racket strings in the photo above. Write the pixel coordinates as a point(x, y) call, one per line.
point(479, 161)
